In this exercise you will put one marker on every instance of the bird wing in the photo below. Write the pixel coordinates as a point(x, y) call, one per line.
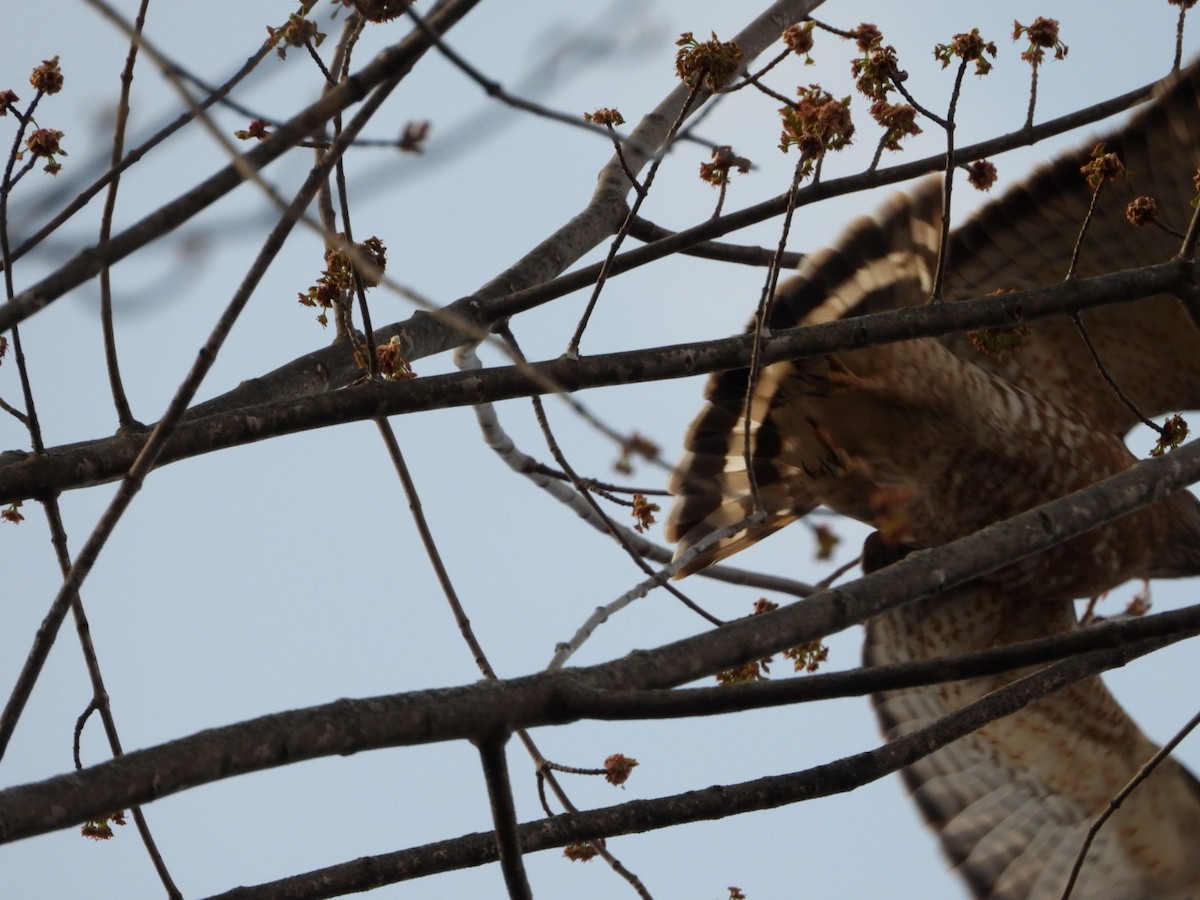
point(938, 439)
point(1012, 802)
point(880, 262)
point(755, 434)
point(1151, 347)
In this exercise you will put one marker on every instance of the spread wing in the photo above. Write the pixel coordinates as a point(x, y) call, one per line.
point(1013, 801)
point(1151, 347)
point(880, 263)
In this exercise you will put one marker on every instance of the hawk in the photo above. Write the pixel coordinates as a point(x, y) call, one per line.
point(940, 439)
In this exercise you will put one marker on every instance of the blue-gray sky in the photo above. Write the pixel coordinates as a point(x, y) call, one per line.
point(288, 573)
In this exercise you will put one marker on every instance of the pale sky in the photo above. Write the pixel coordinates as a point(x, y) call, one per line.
point(287, 574)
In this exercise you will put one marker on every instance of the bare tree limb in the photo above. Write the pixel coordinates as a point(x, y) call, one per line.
point(393, 63)
point(504, 815)
point(94, 462)
point(346, 726)
point(710, 803)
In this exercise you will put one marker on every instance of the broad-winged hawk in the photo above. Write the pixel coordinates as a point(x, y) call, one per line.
point(942, 439)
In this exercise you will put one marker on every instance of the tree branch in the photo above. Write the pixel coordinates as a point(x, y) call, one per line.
point(392, 63)
point(504, 816)
point(95, 462)
point(426, 334)
point(347, 727)
point(710, 803)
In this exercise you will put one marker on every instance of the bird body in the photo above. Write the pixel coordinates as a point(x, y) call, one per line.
point(932, 439)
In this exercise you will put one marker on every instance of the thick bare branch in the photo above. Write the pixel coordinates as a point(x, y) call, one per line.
point(94, 462)
point(710, 803)
point(347, 727)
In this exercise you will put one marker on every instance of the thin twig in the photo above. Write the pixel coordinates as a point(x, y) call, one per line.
point(124, 414)
point(354, 29)
point(621, 440)
point(496, 90)
point(924, 110)
point(431, 549)
point(1077, 250)
point(545, 776)
point(1033, 86)
point(612, 528)
point(758, 85)
point(1115, 803)
point(464, 622)
point(648, 232)
point(753, 78)
point(7, 182)
point(615, 139)
point(14, 412)
point(100, 700)
point(150, 452)
point(837, 573)
point(572, 351)
point(1188, 249)
point(564, 650)
point(1183, 8)
point(939, 273)
point(1190, 294)
point(762, 326)
point(1077, 318)
point(604, 488)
